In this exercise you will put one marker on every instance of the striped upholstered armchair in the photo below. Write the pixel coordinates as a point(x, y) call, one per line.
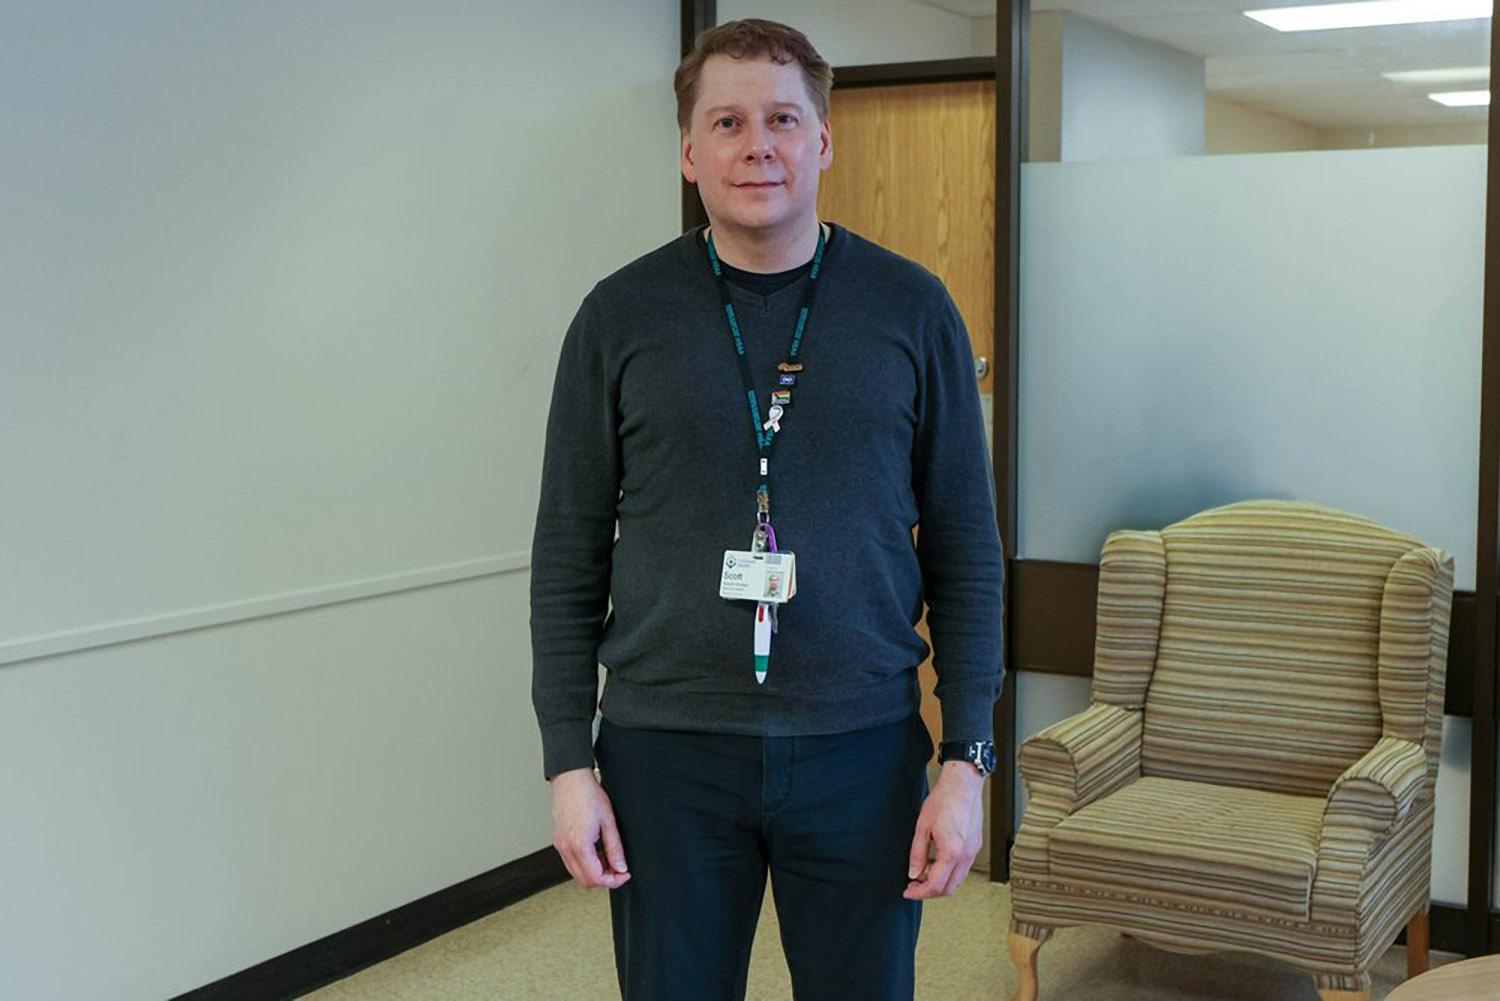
point(1256, 769)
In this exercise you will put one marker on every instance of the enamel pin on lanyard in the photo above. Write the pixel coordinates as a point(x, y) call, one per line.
point(763, 573)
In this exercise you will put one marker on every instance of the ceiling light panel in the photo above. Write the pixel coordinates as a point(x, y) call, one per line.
point(1322, 17)
point(1463, 98)
point(1454, 74)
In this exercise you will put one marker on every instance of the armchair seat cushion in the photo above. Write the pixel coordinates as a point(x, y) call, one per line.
point(1221, 849)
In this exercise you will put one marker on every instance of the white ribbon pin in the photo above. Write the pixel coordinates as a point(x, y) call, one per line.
point(774, 423)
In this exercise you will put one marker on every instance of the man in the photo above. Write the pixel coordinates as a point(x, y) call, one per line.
point(763, 410)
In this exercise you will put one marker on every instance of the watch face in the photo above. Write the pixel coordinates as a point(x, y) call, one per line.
point(986, 757)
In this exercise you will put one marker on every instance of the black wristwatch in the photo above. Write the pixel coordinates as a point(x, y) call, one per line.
point(979, 753)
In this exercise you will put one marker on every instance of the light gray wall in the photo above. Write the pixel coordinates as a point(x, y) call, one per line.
point(857, 32)
point(282, 287)
point(982, 35)
point(1125, 97)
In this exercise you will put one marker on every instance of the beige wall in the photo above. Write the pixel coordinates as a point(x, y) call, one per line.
point(1231, 127)
point(1044, 94)
point(1407, 135)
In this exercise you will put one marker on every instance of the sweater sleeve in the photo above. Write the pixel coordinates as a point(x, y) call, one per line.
point(572, 545)
point(958, 541)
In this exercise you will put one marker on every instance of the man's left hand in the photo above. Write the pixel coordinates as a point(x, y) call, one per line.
point(953, 819)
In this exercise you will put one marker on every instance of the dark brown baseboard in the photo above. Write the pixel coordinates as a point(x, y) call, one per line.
point(336, 956)
point(1448, 933)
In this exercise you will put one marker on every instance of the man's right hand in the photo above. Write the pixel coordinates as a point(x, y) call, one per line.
point(582, 818)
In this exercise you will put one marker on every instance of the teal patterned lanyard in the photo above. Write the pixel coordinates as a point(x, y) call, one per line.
point(766, 432)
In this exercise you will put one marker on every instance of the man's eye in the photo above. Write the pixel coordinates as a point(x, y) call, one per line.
point(786, 119)
point(727, 123)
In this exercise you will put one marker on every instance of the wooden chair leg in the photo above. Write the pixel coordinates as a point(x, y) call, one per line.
point(1417, 938)
point(1023, 952)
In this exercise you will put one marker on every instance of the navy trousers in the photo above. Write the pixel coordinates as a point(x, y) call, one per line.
point(705, 817)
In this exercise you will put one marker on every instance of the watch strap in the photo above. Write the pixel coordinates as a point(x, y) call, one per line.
point(979, 753)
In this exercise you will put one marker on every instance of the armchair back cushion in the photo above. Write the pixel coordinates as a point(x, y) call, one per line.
point(1268, 664)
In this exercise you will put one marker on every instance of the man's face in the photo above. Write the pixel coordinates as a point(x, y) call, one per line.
point(755, 146)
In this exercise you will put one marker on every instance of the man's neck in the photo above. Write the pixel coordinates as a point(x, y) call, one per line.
point(766, 253)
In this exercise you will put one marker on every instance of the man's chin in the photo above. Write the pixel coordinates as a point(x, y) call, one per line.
point(754, 222)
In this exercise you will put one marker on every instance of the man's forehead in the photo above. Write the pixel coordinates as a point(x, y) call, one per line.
point(729, 84)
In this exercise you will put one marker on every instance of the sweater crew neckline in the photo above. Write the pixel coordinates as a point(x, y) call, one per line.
point(695, 247)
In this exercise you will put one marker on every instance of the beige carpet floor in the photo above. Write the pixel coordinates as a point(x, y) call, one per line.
point(557, 945)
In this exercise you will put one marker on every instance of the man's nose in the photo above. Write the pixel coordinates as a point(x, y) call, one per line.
point(759, 145)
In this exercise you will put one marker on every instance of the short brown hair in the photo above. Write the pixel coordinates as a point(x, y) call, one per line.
point(752, 38)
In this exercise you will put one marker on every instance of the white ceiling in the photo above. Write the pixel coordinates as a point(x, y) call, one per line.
point(1326, 79)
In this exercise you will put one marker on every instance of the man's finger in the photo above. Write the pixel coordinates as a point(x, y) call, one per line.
point(924, 888)
point(576, 866)
point(614, 850)
point(590, 866)
point(938, 872)
point(958, 875)
point(916, 859)
point(609, 879)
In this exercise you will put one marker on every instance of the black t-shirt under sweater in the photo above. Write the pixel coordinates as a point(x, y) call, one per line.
point(650, 474)
point(762, 284)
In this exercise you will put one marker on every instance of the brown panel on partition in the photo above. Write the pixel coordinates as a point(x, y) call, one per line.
point(1053, 605)
point(1459, 693)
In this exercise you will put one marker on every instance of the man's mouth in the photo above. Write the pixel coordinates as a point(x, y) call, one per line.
point(759, 184)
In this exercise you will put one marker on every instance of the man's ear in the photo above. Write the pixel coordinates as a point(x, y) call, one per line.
point(689, 171)
point(825, 145)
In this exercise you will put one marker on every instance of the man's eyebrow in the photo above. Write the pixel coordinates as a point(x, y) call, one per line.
point(737, 109)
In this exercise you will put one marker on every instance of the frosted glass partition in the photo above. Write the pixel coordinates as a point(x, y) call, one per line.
point(1202, 330)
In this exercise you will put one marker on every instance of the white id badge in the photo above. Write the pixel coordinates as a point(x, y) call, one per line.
point(758, 576)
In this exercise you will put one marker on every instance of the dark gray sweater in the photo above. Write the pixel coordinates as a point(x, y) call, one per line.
point(649, 433)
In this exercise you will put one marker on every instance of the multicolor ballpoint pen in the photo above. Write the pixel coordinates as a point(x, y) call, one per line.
point(762, 640)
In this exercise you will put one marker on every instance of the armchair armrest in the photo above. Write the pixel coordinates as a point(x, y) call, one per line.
point(1375, 793)
point(1082, 758)
point(1066, 767)
point(1367, 805)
